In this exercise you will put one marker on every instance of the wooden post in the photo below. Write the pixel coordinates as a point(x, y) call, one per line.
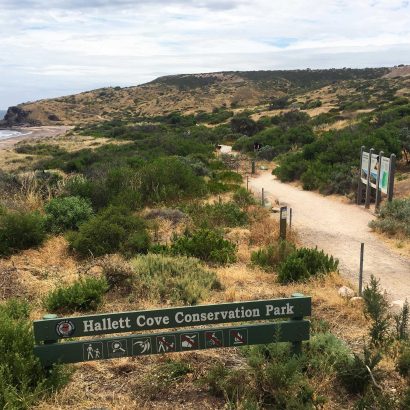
point(253, 167)
point(49, 316)
point(283, 222)
point(378, 192)
point(263, 197)
point(297, 346)
point(247, 182)
point(391, 177)
point(360, 183)
point(361, 269)
point(290, 218)
point(368, 186)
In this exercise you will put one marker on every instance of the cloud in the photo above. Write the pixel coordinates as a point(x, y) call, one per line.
point(55, 47)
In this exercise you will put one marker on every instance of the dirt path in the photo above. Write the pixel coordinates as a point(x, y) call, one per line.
point(338, 229)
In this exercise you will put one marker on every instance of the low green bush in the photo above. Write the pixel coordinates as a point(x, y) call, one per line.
point(23, 381)
point(67, 213)
point(83, 295)
point(176, 279)
point(394, 218)
point(403, 361)
point(207, 245)
point(243, 197)
point(304, 263)
point(271, 256)
point(353, 370)
point(20, 230)
point(113, 230)
point(117, 271)
point(273, 378)
point(227, 214)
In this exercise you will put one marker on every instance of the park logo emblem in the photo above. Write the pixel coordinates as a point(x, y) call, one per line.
point(65, 328)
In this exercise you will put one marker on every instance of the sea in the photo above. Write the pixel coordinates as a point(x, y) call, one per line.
point(6, 134)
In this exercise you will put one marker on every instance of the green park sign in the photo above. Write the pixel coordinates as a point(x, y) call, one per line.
point(47, 332)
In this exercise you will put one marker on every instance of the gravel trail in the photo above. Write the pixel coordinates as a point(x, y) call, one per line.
point(339, 228)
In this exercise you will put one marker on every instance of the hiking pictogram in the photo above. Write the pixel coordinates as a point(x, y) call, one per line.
point(166, 344)
point(92, 351)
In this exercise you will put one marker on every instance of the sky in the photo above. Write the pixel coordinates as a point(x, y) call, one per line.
point(50, 48)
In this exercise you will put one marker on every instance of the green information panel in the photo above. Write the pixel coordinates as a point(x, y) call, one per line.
point(179, 341)
point(93, 325)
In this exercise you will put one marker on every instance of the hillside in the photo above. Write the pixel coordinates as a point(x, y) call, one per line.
point(192, 93)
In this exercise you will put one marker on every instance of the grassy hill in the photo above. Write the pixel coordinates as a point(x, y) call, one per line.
point(192, 93)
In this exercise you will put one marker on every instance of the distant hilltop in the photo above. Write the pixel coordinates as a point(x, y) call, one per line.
point(191, 93)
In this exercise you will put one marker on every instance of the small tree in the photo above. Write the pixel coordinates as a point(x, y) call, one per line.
point(376, 308)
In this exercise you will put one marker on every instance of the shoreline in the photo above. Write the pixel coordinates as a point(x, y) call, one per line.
point(32, 133)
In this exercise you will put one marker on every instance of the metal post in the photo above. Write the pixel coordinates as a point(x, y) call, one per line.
point(378, 192)
point(361, 269)
point(282, 222)
point(263, 197)
point(368, 186)
point(253, 167)
point(290, 218)
point(360, 183)
point(391, 177)
point(297, 346)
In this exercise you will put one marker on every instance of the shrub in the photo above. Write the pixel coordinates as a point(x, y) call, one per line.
point(112, 230)
point(270, 257)
point(23, 381)
point(117, 271)
point(376, 309)
point(166, 179)
point(304, 263)
point(323, 353)
point(273, 379)
point(401, 320)
point(20, 230)
point(83, 295)
point(243, 197)
point(403, 362)
point(178, 279)
point(217, 215)
point(353, 373)
point(67, 213)
point(394, 218)
point(206, 244)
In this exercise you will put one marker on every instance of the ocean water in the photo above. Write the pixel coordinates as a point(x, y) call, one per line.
point(6, 134)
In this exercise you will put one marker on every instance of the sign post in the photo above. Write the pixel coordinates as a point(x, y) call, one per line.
point(360, 183)
point(294, 330)
point(378, 192)
point(391, 177)
point(283, 221)
point(368, 186)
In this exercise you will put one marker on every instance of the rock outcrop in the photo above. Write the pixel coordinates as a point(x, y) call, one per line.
point(16, 116)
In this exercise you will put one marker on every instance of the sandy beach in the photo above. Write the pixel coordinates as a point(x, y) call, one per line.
point(35, 133)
